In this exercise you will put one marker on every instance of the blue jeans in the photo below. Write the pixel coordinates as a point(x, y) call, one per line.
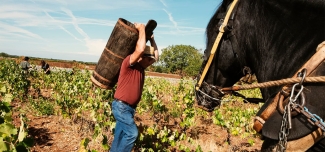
point(126, 131)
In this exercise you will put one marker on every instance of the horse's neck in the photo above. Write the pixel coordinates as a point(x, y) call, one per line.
point(283, 35)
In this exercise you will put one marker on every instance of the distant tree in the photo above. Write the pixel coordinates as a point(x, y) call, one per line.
point(180, 59)
point(4, 54)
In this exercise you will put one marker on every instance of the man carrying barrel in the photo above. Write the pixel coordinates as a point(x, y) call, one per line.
point(129, 90)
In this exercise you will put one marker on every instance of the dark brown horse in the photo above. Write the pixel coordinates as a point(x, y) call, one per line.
point(274, 38)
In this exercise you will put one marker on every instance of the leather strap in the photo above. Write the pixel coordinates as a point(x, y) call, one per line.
point(310, 65)
point(216, 43)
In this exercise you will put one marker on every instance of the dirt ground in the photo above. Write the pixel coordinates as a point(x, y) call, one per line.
point(58, 134)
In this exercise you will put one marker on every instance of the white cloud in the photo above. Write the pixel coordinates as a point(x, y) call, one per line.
point(15, 15)
point(163, 2)
point(18, 30)
point(171, 19)
point(75, 23)
point(183, 30)
point(63, 2)
point(95, 46)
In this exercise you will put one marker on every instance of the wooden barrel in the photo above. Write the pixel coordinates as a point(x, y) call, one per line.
point(120, 44)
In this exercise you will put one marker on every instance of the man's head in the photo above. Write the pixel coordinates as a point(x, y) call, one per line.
point(42, 62)
point(149, 52)
point(148, 57)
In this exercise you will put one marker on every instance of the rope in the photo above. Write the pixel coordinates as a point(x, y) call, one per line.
point(275, 83)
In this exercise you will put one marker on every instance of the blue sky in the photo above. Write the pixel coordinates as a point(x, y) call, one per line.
point(79, 29)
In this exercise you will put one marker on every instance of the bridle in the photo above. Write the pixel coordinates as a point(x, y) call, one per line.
point(310, 65)
point(216, 43)
point(224, 27)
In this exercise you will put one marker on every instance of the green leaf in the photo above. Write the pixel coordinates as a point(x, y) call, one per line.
point(198, 149)
point(8, 98)
point(8, 129)
point(150, 131)
point(251, 142)
point(3, 89)
point(3, 145)
point(5, 107)
point(84, 142)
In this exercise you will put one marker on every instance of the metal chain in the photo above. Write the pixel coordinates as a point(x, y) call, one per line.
point(312, 118)
point(284, 132)
point(292, 105)
point(286, 118)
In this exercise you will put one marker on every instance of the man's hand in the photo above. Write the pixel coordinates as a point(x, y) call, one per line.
point(139, 26)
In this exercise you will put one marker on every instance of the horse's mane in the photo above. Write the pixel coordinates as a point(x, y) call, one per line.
point(299, 18)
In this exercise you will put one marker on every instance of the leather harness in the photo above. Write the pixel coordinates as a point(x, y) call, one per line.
point(310, 66)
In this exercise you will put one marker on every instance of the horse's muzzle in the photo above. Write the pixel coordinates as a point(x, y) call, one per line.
point(208, 97)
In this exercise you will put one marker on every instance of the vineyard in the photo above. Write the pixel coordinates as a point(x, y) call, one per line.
point(63, 111)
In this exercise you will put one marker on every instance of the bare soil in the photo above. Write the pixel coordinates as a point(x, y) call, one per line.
point(58, 134)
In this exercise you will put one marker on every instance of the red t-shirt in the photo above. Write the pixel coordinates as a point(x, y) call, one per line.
point(130, 82)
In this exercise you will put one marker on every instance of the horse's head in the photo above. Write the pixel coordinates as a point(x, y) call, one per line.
point(223, 63)
point(275, 39)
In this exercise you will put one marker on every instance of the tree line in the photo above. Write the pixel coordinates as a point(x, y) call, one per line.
point(184, 60)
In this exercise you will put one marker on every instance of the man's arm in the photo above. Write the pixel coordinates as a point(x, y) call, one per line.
point(141, 44)
point(28, 65)
point(154, 45)
point(47, 67)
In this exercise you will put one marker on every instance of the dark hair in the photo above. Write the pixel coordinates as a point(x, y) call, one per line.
point(42, 62)
point(26, 58)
